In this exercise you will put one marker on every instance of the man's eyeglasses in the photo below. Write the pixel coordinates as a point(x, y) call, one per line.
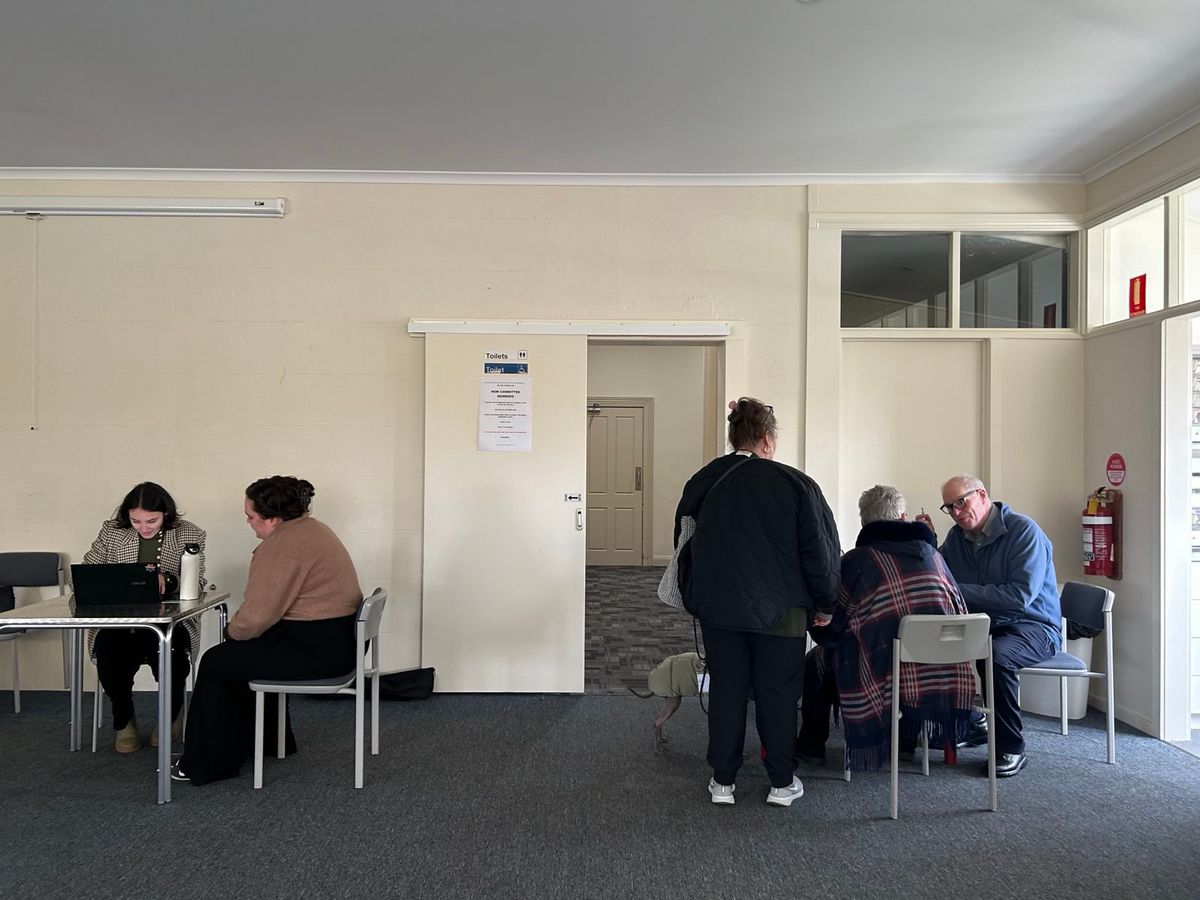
point(960, 503)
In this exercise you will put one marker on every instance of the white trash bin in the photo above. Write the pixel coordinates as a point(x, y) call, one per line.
point(1039, 693)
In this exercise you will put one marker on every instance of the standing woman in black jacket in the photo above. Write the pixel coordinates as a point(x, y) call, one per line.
point(762, 562)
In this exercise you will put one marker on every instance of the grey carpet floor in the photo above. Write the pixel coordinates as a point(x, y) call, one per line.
point(560, 796)
point(628, 630)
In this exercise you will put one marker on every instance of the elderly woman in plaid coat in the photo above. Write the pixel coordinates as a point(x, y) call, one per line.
point(893, 571)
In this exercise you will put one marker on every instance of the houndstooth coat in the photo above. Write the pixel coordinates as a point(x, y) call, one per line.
point(115, 544)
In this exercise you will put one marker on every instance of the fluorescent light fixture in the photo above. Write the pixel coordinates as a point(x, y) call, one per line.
point(274, 207)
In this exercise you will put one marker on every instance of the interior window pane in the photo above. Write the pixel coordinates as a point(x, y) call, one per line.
point(1190, 245)
point(1133, 262)
point(895, 280)
point(1014, 280)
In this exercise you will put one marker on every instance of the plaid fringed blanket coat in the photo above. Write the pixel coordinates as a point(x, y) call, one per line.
point(894, 570)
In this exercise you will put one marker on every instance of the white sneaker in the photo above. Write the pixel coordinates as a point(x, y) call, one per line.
point(784, 796)
point(722, 793)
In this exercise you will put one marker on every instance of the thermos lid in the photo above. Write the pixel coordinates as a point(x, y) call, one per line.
point(191, 548)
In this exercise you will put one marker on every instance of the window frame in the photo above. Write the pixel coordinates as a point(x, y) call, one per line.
point(955, 226)
point(1096, 237)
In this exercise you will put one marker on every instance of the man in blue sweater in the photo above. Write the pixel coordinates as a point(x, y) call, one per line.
point(1004, 565)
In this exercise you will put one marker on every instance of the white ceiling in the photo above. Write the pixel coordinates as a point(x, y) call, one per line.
point(751, 89)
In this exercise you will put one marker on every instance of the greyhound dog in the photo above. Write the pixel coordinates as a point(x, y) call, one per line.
point(673, 679)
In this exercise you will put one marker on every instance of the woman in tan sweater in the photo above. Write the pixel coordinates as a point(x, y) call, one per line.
point(297, 621)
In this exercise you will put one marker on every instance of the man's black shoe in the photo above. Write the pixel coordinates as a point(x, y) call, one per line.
point(1007, 765)
point(977, 734)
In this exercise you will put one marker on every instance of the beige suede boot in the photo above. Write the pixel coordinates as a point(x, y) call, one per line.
point(176, 731)
point(128, 740)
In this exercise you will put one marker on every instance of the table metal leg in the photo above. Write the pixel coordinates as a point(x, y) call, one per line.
point(76, 688)
point(164, 716)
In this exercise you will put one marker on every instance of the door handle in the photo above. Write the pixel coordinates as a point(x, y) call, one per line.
point(579, 520)
point(637, 478)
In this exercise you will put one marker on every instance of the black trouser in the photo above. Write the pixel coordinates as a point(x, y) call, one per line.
point(820, 696)
point(120, 652)
point(741, 665)
point(220, 725)
point(1014, 646)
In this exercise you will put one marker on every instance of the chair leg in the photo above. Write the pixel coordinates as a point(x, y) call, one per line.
point(991, 711)
point(1110, 721)
point(16, 676)
point(259, 715)
point(96, 706)
point(896, 729)
point(358, 737)
point(1062, 703)
point(925, 749)
point(375, 713)
point(281, 718)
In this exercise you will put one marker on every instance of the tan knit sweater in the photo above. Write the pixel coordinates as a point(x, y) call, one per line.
point(300, 571)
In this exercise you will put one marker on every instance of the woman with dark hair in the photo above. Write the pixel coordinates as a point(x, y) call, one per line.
point(296, 621)
point(763, 559)
point(145, 528)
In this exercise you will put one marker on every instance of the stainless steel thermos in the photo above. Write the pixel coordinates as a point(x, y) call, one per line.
point(189, 572)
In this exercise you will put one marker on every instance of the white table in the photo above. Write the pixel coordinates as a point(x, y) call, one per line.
point(59, 612)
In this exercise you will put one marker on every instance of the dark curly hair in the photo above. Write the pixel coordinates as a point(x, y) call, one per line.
point(152, 498)
point(281, 496)
point(750, 421)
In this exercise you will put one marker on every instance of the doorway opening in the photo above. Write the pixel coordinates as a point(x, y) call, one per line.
point(652, 418)
point(1183, 662)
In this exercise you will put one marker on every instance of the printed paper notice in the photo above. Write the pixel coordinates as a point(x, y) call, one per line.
point(505, 413)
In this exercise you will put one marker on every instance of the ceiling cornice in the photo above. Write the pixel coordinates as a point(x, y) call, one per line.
point(523, 178)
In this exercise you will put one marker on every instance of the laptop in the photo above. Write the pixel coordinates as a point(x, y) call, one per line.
point(105, 588)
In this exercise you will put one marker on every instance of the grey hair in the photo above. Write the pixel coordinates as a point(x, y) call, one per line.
point(880, 503)
point(968, 482)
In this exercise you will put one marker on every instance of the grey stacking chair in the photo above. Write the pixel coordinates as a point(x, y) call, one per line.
point(1089, 605)
point(370, 614)
point(941, 640)
point(26, 569)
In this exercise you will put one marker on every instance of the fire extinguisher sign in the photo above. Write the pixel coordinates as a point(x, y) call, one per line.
point(1115, 469)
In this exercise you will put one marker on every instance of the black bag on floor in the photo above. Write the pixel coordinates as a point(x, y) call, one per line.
point(415, 684)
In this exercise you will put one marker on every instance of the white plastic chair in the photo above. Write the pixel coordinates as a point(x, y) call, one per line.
point(367, 632)
point(1090, 605)
point(941, 640)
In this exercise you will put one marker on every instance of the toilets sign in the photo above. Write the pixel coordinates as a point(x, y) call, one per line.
point(506, 362)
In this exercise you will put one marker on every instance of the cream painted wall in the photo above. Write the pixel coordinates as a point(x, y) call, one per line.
point(1123, 409)
point(1006, 408)
point(1036, 398)
point(674, 378)
point(205, 353)
point(892, 433)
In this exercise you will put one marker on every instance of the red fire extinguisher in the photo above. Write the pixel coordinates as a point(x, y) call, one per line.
point(1101, 522)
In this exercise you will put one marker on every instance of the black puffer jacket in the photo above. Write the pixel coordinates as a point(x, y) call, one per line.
point(765, 541)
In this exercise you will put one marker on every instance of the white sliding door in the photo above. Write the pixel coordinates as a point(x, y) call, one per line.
point(503, 570)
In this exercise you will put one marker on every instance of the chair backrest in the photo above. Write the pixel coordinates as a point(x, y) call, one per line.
point(370, 614)
point(1085, 604)
point(944, 639)
point(30, 568)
